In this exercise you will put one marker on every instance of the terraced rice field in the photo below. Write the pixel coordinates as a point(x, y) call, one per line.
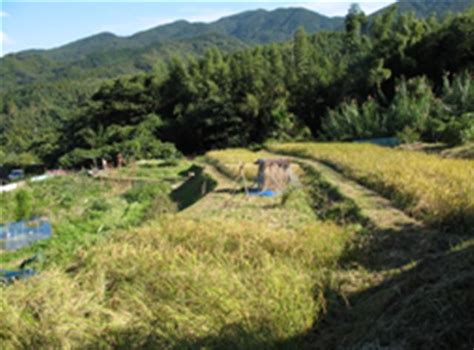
point(436, 190)
point(231, 271)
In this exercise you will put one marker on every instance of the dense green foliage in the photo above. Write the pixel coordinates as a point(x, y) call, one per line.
point(23, 206)
point(415, 113)
point(363, 81)
point(283, 91)
point(426, 8)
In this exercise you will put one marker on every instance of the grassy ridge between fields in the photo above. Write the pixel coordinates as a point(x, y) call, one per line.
point(438, 191)
point(248, 275)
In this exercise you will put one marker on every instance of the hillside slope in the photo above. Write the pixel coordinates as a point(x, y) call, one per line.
point(138, 52)
point(106, 55)
point(426, 8)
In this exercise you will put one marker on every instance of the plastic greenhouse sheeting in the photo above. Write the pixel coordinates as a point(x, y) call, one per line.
point(16, 235)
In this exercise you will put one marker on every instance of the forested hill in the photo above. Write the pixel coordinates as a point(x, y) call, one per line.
point(251, 27)
point(426, 8)
point(234, 92)
point(106, 55)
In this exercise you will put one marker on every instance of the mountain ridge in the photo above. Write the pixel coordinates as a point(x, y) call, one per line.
point(144, 50)
point(426, 8)
point(244, 26)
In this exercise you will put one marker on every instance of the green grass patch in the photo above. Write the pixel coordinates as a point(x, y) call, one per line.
point(82, 210)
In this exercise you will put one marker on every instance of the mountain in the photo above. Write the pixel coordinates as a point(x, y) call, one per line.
point(251, 27)
point(106, 55)
point(102, 57)
point(426, 8)
point(261, 27)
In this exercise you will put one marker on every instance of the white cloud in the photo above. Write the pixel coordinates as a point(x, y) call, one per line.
point(4, 38)
point(4, 14)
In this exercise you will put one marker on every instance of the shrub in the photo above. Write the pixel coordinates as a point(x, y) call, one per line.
point(338, 124)
point(467, 134)
point(408, 135)
point(143, 192)
point(456, 130)
point(24, 205)
point(414, 114)
point(409, 114)
point(349, 121)
point(458, 93)
point(412, 106)
point(150, 148)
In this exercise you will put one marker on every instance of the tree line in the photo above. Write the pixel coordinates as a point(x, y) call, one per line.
point(391, 75)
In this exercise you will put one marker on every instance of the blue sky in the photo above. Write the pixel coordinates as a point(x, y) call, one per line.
point(46, 24)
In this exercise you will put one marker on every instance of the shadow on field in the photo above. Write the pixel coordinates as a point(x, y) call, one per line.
point(426, 307)
point(400, 285)
point(379, 250)
point(426, 304)
point(235, 337)
point(194, 188)
point(231, 190)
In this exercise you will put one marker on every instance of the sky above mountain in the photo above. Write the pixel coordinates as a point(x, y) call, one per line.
point(47, 24)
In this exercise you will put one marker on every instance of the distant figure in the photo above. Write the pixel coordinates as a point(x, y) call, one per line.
point(120, 161)
point(104, 164)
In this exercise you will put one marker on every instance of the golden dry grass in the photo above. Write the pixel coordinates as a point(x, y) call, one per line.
point(439, 191)
point(249, 275)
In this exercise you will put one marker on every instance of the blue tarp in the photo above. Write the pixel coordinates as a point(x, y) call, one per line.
point(11, 276)
point(16, 235)
point(264, 193)
point(382, 141)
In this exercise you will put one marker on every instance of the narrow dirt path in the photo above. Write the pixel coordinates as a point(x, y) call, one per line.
point(399, 238)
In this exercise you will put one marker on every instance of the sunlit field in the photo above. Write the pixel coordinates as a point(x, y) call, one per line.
point(247, 275)
point(439, 191)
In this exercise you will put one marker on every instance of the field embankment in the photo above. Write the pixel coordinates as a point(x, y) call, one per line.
point(400, 284)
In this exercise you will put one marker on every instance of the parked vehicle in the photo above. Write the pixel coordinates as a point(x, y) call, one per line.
point(16, 174)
